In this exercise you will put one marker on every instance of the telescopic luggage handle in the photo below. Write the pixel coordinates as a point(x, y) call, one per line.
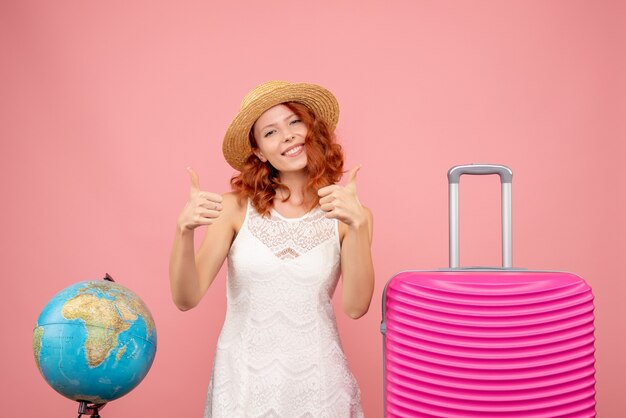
point(454, 176)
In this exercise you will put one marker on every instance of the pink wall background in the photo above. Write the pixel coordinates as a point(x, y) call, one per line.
point(104, 103)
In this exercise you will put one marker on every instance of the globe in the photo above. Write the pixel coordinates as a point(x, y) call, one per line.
point(94, 341)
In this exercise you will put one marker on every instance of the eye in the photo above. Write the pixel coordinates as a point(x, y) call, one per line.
point(268, 133)
point(294, 121)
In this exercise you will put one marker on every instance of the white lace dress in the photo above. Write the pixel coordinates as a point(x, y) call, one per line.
point(279, 353)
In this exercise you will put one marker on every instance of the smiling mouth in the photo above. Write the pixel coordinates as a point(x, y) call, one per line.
point(293, 150)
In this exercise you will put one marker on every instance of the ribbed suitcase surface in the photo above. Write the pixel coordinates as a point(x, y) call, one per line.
point(489, 344)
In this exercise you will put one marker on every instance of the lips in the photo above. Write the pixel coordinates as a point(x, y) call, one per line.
point(293, 151)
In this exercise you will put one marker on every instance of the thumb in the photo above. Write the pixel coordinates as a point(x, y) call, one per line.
point(195, 180)
point(352, 175)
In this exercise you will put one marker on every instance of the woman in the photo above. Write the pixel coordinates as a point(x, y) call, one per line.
point(288, 232)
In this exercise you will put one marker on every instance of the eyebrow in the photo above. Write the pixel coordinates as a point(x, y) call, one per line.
point(273, 124)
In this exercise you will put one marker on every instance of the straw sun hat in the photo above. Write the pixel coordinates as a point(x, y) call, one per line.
point(236, 145)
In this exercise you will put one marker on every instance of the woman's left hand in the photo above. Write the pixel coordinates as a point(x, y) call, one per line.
point(342, 202)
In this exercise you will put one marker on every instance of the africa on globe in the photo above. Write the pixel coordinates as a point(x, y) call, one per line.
point(94, 341)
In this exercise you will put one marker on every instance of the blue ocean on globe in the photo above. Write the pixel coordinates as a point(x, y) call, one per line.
point(94, 341)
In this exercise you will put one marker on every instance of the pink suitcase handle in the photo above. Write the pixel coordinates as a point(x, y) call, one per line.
point(454, 177)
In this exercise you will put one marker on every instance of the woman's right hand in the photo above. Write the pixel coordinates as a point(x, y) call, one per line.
point(201, 209)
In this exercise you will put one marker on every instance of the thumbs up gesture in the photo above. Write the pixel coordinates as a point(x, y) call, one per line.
point(342, 202)
point(202, 208)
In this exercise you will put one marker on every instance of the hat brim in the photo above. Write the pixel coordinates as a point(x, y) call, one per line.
point(236, 146)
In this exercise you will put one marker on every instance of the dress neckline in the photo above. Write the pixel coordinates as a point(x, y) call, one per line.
point(279, 215)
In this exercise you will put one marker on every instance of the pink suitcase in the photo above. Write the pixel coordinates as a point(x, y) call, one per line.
point(487, 342)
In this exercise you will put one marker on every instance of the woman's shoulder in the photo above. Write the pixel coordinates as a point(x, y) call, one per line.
point(234, 208)
point(234, 200)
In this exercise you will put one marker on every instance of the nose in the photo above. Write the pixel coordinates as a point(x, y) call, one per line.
point(289, 136)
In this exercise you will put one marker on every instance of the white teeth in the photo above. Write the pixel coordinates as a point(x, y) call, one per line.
point(293, 150)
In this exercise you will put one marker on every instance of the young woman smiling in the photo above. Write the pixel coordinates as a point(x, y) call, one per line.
point(288, 231)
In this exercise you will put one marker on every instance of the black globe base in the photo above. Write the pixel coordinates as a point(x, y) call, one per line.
point(86, 408)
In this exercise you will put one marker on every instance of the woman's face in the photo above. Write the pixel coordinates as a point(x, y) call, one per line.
point(280, 136)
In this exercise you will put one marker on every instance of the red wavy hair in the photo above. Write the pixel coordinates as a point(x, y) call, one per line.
point(259, 180)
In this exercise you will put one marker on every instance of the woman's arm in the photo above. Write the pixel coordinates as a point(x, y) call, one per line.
point(357, 270)
point(191, 274)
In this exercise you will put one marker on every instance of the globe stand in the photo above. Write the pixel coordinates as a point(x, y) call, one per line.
point(85, 407)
